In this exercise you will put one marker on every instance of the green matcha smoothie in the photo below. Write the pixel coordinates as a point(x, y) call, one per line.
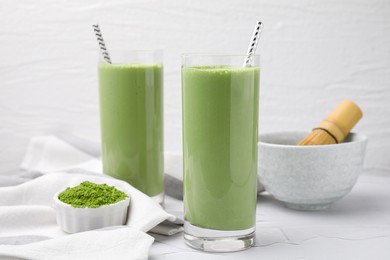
point(220, 118)
point(131, 108)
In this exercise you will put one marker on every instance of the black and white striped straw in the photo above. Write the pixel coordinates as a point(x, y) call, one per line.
point(253, 44)
point(101, 43)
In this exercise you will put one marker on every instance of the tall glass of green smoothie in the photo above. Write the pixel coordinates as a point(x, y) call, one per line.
point(131, 110)
point(220, 125)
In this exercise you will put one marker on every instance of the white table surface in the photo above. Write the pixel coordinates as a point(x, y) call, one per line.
point(355, 227)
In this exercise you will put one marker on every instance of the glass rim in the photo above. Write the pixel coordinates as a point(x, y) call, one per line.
point(205, 54)
point(125, 56)
point(133, 50)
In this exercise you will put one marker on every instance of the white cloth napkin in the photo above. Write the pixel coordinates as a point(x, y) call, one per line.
point(47, 154)
point(27, 214)
point(50, 154)
point(26, 209)
point(121, 243)
point(144, 213)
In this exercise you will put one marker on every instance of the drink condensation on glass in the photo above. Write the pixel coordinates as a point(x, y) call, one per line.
point(131, 110)
point(220, 129)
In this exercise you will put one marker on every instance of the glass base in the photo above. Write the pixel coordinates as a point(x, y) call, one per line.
point(211, 240)
point(159, 198)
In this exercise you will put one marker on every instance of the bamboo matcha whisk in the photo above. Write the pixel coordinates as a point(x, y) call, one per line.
point(336, 126)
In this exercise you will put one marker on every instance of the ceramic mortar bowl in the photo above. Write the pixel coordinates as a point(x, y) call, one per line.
point(309, 177)
point(72, 220)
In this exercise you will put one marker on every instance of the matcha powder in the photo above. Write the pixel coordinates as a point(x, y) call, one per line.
point(91, 195)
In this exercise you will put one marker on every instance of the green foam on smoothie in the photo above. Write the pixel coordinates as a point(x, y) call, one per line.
point(222, 69)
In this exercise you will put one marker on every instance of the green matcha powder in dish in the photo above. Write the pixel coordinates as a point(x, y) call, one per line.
point(91, 195)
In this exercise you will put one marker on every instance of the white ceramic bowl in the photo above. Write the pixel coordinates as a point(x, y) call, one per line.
point(309, 177)
point(73, 220)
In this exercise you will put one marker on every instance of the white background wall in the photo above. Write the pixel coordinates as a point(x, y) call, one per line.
point(314, 54)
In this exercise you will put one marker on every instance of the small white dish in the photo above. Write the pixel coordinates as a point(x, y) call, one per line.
point(309, 177)
point(73, 220)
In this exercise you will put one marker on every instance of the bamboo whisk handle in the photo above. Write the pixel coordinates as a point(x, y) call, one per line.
point(336, 126)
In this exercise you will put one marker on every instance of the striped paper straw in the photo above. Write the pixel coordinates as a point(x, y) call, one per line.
point(101, 43)
point(253, 44)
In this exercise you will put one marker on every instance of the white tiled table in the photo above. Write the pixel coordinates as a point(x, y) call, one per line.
point(355, 227)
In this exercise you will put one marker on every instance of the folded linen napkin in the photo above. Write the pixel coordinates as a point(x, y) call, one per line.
point(120, 243)
point(27, 213)
point(144, 213)
point(49, 154)
point(27, 217)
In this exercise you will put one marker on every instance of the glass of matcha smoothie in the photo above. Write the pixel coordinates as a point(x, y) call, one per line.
point(220, 125)
point(131, 112)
